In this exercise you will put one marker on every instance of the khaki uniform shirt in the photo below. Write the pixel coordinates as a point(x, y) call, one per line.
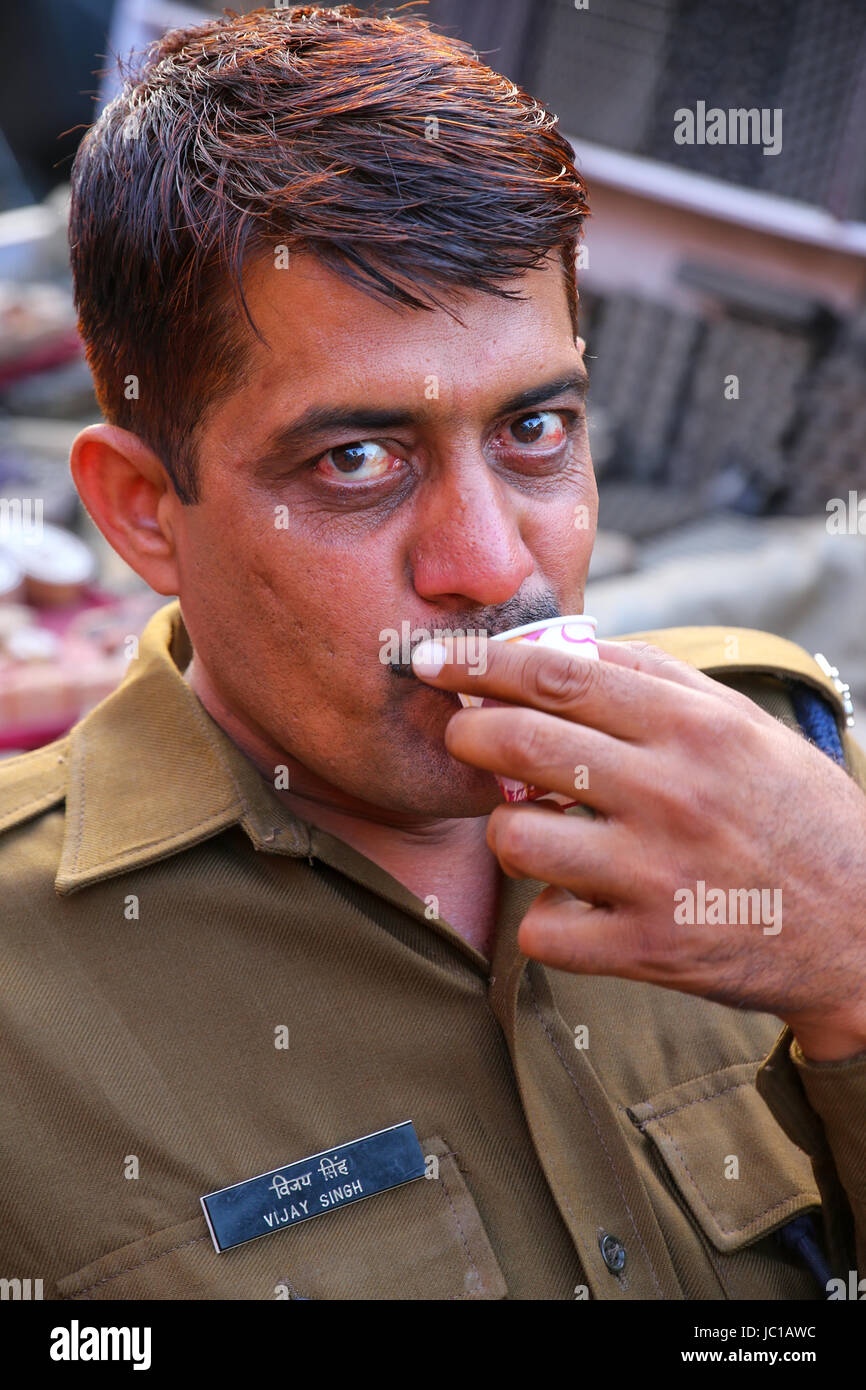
point(164, 919)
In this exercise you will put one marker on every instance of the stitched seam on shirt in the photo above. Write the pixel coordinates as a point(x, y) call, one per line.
point(726, 1230)
point(475, 1268)
point(597, 1129)
point(79, 829)
point(151, 1259)
point(304, 1298)
point(215, 822)
point(35, 803)
point(716, 1260)
point(217, 754)
point(736, 1086)
point(583, 1249)
point(716, 1071)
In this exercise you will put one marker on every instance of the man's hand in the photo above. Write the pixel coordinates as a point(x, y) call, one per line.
point(690, 783)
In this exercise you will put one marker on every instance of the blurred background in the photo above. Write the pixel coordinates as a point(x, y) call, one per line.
point(722, 293)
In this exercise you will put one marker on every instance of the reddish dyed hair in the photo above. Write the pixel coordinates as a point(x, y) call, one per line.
point(306, 127)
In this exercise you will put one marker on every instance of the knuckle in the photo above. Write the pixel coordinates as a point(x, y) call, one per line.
point(724, 730)
point(686, 804)
point(529, 742)
point(560, 678)
point(519, 742)
point(652, 653)
point(727, 721)
point(670, 798)
point(700, 813)
point(653, 885)
point(513, 839)
point(652, 659)
point(707, 725)
point(641, 648)
point(643, 943)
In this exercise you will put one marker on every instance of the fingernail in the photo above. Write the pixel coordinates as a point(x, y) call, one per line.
point(429, 657)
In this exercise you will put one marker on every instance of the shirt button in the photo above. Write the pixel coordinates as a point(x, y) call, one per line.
point(612, 1252)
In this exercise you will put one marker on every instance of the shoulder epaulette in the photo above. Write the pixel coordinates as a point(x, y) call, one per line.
point(727, 650)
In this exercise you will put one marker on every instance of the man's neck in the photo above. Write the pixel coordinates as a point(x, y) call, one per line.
point(446, 863)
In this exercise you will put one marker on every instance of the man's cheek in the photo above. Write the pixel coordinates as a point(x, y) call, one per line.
point(276, 578)
point(562, 554)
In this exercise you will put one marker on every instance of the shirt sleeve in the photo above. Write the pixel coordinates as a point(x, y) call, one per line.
point(821, 1106)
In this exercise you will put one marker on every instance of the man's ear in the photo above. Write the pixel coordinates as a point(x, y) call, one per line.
point(130, 497)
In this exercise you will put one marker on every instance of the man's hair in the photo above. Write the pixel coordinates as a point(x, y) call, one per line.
point(382, 147)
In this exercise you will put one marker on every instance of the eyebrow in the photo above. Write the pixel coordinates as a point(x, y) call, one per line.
point(322, 419)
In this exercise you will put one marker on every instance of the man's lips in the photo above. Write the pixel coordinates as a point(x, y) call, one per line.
point(405, 672)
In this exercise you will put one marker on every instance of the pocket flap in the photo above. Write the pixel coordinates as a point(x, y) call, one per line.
point(739, 1173)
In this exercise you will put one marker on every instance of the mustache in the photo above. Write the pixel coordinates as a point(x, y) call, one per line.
point(508, 616)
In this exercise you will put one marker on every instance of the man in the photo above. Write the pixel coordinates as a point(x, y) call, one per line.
point(264, 899)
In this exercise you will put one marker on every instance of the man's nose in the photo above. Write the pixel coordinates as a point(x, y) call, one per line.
point(468, 542)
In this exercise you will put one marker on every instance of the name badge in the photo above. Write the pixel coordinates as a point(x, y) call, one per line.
point(311, 1186)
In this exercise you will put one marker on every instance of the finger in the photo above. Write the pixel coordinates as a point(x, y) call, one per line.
point(588, 858)
point(616, 699)
point(566, 933)
point(583, 764)
point(654, 661)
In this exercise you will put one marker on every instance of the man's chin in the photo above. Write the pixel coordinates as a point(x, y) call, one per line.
point(470, 804)
point(428, 781)
point(432, 785)
point(454, 792)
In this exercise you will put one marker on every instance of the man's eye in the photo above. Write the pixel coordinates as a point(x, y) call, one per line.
point(363, 459)
point(540, 427)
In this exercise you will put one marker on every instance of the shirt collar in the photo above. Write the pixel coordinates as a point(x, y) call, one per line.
point(150, 773)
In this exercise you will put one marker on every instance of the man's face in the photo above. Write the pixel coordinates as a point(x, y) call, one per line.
point(442, 502)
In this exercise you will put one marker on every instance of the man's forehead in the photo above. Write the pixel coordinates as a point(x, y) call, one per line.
point(330, 344)
point(305, 306)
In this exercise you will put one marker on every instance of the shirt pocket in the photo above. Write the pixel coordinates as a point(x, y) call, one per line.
point(737, 1171)
point(424, 1240)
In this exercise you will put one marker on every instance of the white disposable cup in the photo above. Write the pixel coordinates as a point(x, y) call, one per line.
point(574, 634)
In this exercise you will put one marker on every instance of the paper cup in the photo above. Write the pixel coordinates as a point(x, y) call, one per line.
point(574, 634)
